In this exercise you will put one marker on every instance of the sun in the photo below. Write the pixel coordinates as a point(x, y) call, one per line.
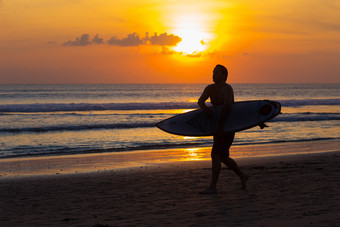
point(194, 38)
point(193, 41)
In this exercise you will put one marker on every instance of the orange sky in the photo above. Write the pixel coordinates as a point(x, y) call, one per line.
point(85, 41)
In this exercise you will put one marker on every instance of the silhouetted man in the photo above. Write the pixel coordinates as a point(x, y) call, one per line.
point(220, 93)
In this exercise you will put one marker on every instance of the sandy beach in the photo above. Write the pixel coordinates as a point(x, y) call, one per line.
point(290, 190)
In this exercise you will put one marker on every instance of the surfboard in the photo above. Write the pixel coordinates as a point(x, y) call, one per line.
point(242, 116)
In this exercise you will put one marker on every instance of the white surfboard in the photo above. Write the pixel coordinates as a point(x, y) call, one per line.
point(242, 116)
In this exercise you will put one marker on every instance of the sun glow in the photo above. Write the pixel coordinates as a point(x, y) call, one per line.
point(194, 38)
point(193, 42)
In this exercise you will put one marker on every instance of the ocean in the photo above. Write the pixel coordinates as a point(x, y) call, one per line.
point(41, 120)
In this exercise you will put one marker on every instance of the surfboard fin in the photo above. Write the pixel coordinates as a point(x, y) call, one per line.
point(263, 125)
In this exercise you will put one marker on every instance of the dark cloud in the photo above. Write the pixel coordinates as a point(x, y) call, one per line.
point(163, 39)
point(97, 40)
point(132, 39)
point(135, 40)
point(84, 40)
point(80, 41)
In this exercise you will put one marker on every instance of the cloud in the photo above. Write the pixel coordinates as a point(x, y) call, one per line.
point(166, 50)
point(163, 39)
point(195, 54)
point(132, 39)
point(84, 40)
point(97, 40)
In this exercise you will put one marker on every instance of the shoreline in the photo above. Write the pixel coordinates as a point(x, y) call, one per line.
point(87, 163)
point(290, 190)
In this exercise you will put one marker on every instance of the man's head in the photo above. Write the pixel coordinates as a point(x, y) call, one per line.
point(220, 74)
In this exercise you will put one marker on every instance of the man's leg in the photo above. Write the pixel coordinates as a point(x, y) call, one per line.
point(215, 172)
point(216, 169)
point(230, 163)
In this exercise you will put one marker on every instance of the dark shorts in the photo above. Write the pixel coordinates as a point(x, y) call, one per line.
point(222, 143)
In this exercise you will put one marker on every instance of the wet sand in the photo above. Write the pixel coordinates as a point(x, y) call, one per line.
point(291, 190)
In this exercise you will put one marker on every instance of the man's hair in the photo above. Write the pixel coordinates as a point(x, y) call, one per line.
point(224, 70)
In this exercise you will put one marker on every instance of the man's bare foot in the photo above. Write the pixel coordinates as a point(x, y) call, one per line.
point(209, 191)
point(244, 179)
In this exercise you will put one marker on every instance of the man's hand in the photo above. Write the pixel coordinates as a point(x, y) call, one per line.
point(209, 113)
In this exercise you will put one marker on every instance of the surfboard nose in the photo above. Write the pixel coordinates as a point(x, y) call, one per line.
point(277, 106)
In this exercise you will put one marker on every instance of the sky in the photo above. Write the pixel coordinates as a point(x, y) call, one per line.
point(177, 41)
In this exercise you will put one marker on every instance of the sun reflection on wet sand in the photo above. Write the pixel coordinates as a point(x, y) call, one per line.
point(73, 164)
point(195, 154)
